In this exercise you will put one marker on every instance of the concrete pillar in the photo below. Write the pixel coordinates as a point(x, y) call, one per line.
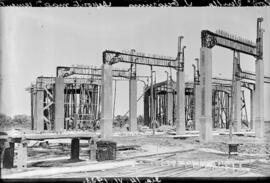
point(180, 106)
point(34, 122)
point(133, 104)
point(39, 110)
point(259, 101)
point(8, 157)
point(22, 155)
point(206, 94)
point(252, 109)
point(59, 104)
point(75, 149)
point(170, 105)
point(197, 106)
point(180, 89)
point(236, 95)
point(146, 109)
point(106, 101)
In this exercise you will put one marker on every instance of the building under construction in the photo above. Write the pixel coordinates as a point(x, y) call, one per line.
point(78, 101)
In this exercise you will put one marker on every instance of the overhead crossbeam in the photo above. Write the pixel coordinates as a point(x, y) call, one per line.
point(112, 57)
point(226, 40)
point(42, 81)
point(63, 71)
point(251, 76)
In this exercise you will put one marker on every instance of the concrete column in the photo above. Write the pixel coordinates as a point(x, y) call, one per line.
point(22, 155)
point(206, 94)
point(259, 101)
point(8, 157)
point(75, 149)
point(39, 110)
point(180, 106)
point(34, 122)
point(59, 104)
point(170, 105)
point(106, 101)
point(133, 104)
point(236, 96)
point(170, 108)
point(197, 106)
point(252, 109)
point(146, 109)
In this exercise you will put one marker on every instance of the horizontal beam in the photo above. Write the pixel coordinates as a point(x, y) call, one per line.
point(62, 71)
point(112, 57)
point(223, 39)
point(251, 76)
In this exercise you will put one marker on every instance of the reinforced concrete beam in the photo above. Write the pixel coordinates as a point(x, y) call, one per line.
point(206, 94)
point(106, 101)
point(59, 104)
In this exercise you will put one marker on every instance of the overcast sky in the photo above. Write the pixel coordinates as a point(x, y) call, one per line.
point(37, 40)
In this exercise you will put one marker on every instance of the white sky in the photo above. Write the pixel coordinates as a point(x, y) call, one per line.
point(37, 40)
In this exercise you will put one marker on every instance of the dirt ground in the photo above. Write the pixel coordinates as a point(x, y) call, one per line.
point(146, 159)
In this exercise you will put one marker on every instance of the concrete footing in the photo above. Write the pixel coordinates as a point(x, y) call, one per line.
point(75, 149)
point(8, 156)
point(22, 155)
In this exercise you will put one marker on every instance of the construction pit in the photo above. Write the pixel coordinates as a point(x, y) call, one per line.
point(142, 154)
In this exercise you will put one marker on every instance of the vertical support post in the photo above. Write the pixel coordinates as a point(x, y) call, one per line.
point(259, 67)
point(152, 102)
point(133, 98)
point(39, 110)
point(34, 116)
point(22, 155)
point(197, 106)
point(170, 104)
point(146, 108)
point(252, 109)
point(106, 101)
point(180, 87)
point(75, 149)
point(206, 94)
point(236, 94)
point(259, 101)
point(59, 104)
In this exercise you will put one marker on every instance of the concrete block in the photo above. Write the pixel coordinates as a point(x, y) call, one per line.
point(75, 149)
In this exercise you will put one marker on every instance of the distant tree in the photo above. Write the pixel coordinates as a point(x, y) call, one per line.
point(21, 119)
point(120, 121)
point(140, 120)
point(4, 119)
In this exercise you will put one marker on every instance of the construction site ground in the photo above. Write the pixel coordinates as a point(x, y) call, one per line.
point(161, 155)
